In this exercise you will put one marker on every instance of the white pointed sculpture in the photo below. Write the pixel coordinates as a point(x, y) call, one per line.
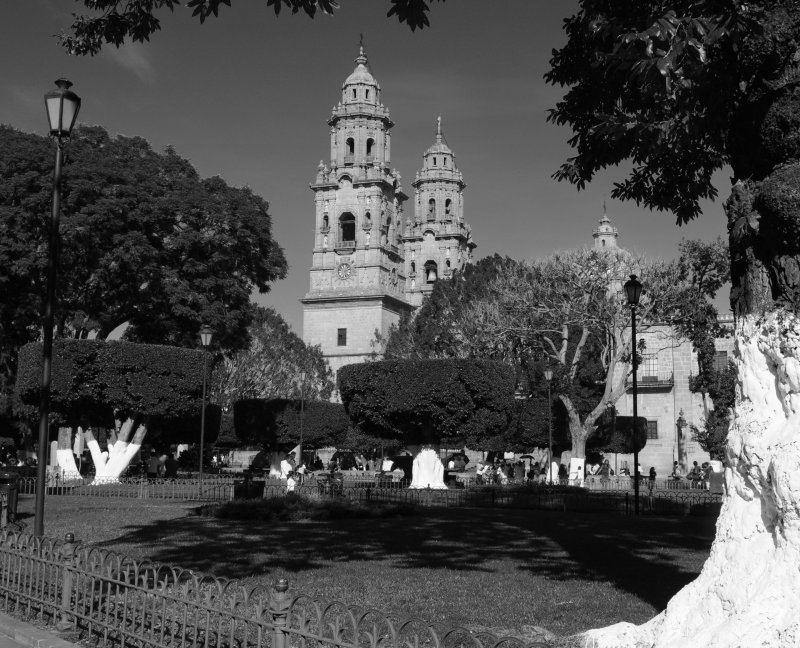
point(427, 471)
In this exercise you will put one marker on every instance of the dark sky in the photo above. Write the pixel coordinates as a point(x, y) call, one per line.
point(246, 96)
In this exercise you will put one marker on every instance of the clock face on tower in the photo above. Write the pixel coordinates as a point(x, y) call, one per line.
point(345, 270)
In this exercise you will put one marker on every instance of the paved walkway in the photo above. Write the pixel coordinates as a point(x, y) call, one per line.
point(18, 634)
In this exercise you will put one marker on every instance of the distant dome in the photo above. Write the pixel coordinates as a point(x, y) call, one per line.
point(439, 145)
point(361, 75)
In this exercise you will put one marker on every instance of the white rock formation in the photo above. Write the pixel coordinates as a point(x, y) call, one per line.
point(427, 471)
point(748, 593)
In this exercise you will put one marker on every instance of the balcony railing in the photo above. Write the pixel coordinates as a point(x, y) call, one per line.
point(349, 160)
point(345, 245)
point(652, 382)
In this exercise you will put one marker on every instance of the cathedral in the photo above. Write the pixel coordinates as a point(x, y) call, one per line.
point(374, 258)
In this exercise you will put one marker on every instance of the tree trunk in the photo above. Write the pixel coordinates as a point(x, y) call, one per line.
point(66, 460)
point(748, 593)
point(110, 465)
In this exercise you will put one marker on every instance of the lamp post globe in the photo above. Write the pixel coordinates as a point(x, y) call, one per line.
point(62, 110)
point(633, 291)
point(206, 333)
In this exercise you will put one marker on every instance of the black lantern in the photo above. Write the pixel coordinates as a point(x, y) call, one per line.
point(62, 109)
point(633, 289)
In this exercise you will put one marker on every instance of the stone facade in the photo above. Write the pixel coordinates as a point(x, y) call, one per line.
point(370, 264)
point(666, 402)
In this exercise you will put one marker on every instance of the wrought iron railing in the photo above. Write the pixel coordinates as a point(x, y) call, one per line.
point(210, 488)
point(115, 601)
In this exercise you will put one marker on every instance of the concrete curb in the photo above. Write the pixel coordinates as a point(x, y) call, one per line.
point(29, 635)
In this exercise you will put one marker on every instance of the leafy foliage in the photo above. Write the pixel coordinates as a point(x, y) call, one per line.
point(720, 386)
point(434, 330)
point(144, 240)
point(94, 382)
point(136, 19)
point(659, 85)
point(422, 401)
point(277, 364)
point(275, 423)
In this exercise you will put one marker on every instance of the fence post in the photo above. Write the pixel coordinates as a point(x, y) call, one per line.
point(279, 603)
point(68, 563)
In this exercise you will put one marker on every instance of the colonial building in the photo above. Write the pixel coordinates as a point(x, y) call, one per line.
point(371, 263)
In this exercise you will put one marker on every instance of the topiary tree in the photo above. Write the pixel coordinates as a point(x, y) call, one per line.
point(422, 401)
point(275, 423)
point(119, 385)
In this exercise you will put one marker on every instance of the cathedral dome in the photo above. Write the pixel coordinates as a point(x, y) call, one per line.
point(361, 75)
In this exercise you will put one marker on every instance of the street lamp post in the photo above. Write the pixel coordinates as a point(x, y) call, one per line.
point(205, 339)
point(62, 110)
point(548, 376)
point(633, 290)
point(302, 407)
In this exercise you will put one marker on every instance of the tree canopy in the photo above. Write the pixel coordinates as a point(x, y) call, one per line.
point(276, 364)
point(94, 381)
point(276, 423)
point(144, 240)
point(113, 21)
point(679, 90)
point(425, 401)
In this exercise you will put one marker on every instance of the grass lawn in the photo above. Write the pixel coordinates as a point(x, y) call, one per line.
point(473, 567)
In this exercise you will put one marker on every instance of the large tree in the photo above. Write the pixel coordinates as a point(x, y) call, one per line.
point(680, 89)
point(113, 21)
point(569, 312)
point(425, 401)
point(144, 240)
point(122, 386)
point(276, 364)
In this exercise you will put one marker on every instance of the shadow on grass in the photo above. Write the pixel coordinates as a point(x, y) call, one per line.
point(650, 558)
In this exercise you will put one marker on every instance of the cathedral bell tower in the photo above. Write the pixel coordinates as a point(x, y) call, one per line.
point(357, 269)
point(437, 241)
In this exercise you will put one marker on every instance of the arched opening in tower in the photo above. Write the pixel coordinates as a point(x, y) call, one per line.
point(347, 227)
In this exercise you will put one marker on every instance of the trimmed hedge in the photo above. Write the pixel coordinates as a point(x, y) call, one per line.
point(93, 379)
point(422, 401)
point(276, 423)
point(619, 437)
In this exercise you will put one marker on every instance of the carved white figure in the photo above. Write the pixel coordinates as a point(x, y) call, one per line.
point(427, 471)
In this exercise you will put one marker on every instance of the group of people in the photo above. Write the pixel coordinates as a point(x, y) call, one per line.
point(161, 466)
point(499, 472)
point(698, 476)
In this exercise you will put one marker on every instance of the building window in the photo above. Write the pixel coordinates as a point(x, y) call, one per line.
point(434, 161)
point(648, 367)
point(720, 361)
point(448, 204)
point(367, 94)
point(354, 93)
point(341, 337)
point(351, 146)
point(432, 209)
point(347, 227)
point(370, 144)
point(652, 430)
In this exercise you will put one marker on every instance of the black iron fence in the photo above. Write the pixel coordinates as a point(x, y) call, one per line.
point(358, 488)
point(119, 602)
